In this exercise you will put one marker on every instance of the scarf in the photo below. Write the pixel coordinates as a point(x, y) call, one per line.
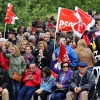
point(28, 58)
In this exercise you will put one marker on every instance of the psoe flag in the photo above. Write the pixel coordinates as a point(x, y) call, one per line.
point(66, 19)
point(10, 16)
point(63, 56)
point(87, 19)
point(79, 28)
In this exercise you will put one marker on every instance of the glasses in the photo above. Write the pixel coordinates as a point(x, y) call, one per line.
point(64, 66)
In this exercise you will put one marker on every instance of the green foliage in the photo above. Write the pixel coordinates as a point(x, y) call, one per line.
point(27, 10)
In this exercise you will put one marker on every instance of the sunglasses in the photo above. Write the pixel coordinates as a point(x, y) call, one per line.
point(64, 66)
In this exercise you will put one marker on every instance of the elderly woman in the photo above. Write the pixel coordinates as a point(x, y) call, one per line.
point(85, 54)
point(16, 64)
point(42, 54)
point(61, 82)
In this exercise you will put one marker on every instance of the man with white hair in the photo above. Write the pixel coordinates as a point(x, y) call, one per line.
point(41, 36)
point(32, 40)
point(26, 35)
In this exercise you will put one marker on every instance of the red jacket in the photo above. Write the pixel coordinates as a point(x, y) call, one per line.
point(36, 78)
point(4, 62)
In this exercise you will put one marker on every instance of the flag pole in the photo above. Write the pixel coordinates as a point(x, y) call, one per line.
point(56, 27)
point(5, 30)
point(55, 41)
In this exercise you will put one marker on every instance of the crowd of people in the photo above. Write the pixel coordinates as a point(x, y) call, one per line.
point(33, 52)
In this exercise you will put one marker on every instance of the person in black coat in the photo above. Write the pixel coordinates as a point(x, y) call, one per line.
point(4, 82)
point(42, 55)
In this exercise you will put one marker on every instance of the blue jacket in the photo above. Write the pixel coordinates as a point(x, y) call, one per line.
point(46, 84)
point(60, 72)
point(71, 53)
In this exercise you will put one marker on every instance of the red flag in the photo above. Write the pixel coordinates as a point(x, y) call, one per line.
point(10, 16)
point(63, 56)
point(79, 28)
point(76, 20)
point(87, 19)
point(66, 18)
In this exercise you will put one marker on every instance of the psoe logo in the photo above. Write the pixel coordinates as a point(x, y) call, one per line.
point(66, 23)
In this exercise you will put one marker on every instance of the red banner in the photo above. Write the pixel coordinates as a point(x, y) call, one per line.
point(10, 16)
point(63, 56)
point(66, 19)
point(86, 18)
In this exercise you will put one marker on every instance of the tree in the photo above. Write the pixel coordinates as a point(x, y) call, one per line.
point(26, 10)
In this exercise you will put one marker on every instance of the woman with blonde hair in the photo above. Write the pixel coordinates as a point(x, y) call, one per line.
point(41, 54)
point(85, 54)
point(16, 64)
point(8, 46)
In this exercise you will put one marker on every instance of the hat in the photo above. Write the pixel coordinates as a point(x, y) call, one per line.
point(12, 31)
point(82, 64)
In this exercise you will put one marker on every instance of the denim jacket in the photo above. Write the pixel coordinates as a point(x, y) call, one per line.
point(47, 83)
